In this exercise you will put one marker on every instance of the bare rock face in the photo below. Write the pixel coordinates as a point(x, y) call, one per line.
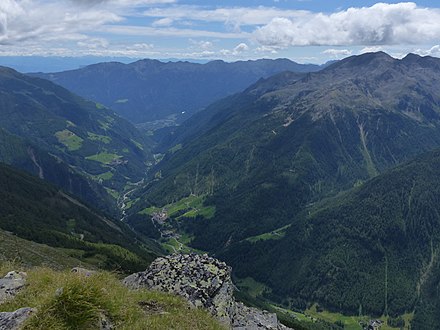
point(11, 284)
point(14, 320)
point(204, 282)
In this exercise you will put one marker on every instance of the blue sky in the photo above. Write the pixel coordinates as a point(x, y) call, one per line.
point(307, 31)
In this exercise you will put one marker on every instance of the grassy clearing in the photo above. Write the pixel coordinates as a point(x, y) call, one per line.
point(191, 207)
point(34, 254)
point(103, 176)
point(97, 137)
point(137, 144)
point(106, 125)
point(177, 147)
point(66, 300)
point(352, 322)
point(112, 192)
point(253, 288)
point(273, 235)
point(130, 203)
point(173, 245)
point(104, 157)
point(69, 139)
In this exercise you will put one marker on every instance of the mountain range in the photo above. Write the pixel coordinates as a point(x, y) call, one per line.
point(319, 185)
point(268, 158)
point(149, 90)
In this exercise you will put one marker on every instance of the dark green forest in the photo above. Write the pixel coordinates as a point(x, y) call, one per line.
point(37, 211)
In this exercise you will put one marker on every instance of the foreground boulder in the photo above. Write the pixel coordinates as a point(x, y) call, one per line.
point(11, 284)
point(14, 320)
point(204, 282)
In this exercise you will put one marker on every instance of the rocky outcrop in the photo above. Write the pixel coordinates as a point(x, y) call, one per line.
point(9, 287)
point(11, 284)
point(204, 282)
point(14, 320)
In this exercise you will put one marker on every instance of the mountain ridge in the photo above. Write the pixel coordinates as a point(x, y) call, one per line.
point(148, 90)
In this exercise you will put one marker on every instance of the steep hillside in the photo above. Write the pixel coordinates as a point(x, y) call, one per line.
point(149, 90)
point(373, 250)
point(91, 139)
point(36, 211)
point(24, 155)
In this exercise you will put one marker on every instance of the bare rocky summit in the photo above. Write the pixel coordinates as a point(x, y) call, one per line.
point(204, 282)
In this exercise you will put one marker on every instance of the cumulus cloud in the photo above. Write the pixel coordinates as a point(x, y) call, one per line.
point(380, 24)
point(267, 49)
point(29, 20)
point(238, 50)
point(337, 53)
point(433, 51)
point(201, 44)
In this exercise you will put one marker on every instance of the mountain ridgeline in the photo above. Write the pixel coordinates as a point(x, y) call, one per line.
point(149, 90)
point(266, 158)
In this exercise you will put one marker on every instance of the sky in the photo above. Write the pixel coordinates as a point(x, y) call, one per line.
point(306, 31)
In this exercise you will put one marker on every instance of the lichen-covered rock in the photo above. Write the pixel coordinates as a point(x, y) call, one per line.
point(11, 284)
point(246, 318)
point(204, 282)
point(14, 320)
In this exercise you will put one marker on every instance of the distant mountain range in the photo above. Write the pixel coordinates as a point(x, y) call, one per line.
point(267, 158)
point(149, 90)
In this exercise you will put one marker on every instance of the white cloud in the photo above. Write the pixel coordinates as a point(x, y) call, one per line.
point(433, 51)
point(93, 43)
point(237, 51)
point(202, 44)
point(235, 16)
point(167, 21)
point(371, 49)
point(123, 2)
point(240, 48)
point(267, 49)
point(380, 24)
point(134, 30)
point(47, 20)
point(337, 53)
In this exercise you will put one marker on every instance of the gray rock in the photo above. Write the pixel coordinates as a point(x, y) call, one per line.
point(204, 282)
point(11, 284)
point(14, 320)
point(82, 271)
point(253, 318)
point(105, 323)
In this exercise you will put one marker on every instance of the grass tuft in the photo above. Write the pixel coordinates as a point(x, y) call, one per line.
point(66, 301)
